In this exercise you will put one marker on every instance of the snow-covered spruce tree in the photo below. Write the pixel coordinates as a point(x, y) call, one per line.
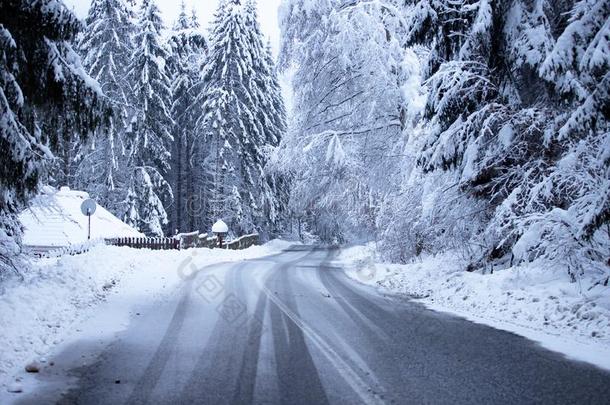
point(277, 126)
point(151, 138)
point(564, 215)
point(517, 109)
point(271, 118)
point(471, 94)
point(349, 111)
point(41, 78)
point(67, 155)
point(277, 209)
point(105, 45)
point(189, 48)
point(235, 184)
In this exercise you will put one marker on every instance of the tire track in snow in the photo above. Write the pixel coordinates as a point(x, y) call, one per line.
point(149, 380)
point(366, 316)
point(246, 380)
point(358, 384)
point(215, 372)
point(146, 384)
point(298, 378)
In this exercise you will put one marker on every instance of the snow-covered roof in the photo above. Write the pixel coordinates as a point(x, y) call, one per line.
point(54, 218)
point(220, 227)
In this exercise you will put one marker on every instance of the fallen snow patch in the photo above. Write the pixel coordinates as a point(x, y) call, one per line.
point(533, 301)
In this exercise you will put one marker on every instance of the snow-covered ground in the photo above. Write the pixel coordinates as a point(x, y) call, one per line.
point(54, 218)
point(92, 295)
point(533, 301)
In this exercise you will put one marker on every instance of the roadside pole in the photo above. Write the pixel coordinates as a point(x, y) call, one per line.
point(88, 208)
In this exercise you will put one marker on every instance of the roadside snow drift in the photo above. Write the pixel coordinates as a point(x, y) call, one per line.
point(537, 302)
point(57, 295)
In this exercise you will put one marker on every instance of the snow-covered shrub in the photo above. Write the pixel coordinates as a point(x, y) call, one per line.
point(10, 245)
point(402, 229)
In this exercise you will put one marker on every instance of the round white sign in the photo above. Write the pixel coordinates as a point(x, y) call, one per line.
point(88, 207)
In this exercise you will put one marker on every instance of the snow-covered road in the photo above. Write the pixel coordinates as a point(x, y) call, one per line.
point(292, 328)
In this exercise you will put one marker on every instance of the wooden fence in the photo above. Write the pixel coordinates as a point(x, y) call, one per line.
point(243, 242)
point(146, 243)
point(178, 242)
point(185, 241)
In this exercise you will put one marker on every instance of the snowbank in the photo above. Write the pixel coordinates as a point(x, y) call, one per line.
point(58, 295)
point(536, 302)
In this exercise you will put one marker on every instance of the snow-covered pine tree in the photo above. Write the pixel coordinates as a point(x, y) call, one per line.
point(67, 155)
point(517, 110)
point(189, 48)
point(474, 129)
point(151, 137)
point(194, 19)
point(182, 22)
point(41, 77)
point(106, 47)
point(271, 118)
point(235, 186)
point(564, 214)
point(277, 209)
point(277, 127)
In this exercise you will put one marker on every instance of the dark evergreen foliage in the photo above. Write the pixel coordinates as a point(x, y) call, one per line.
point(106, 46)
point(149, 192)
point(189, 48)
point(46, 97)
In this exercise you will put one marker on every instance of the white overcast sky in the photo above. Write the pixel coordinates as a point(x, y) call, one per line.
point(267, 13)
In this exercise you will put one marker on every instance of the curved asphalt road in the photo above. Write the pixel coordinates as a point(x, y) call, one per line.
point(291, 329)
